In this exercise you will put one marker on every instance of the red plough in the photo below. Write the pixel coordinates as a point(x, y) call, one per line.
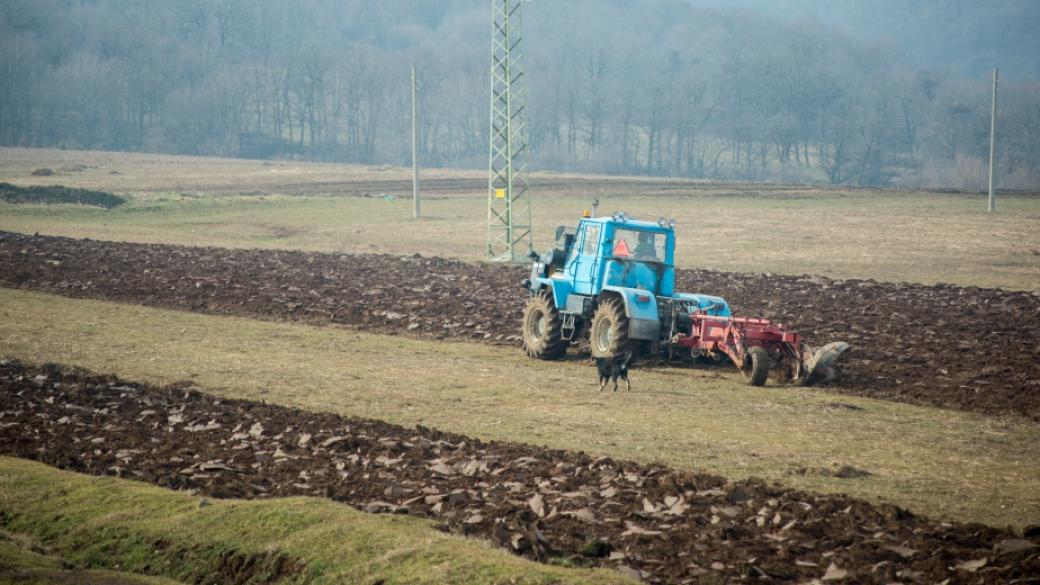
point(759, 347)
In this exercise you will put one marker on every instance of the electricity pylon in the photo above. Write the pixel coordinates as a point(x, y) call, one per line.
point(509, 203)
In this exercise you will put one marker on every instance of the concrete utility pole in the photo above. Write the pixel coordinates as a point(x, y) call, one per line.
point(992, 144)
point(415, 146)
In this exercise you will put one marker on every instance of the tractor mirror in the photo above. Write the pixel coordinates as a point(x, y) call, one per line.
point(564, 237)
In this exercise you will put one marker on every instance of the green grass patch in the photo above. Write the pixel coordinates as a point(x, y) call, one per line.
point(21, 565)
point(948, 464)
point(53, 194)
point(115, 524)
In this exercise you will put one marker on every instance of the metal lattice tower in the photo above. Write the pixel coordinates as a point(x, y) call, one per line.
point(509, 203)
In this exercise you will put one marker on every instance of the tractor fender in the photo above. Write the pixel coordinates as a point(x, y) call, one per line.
point(560, 289)
point(641, 309)
point(710, 304)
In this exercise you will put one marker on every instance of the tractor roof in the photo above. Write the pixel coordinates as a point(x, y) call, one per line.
point(630, 223)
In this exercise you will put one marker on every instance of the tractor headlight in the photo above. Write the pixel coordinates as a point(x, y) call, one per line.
point(616, 216)
point(671, 223)
point(661, 221)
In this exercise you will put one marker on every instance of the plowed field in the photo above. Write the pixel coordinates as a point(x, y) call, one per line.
point(965, 348)
point(649, 521)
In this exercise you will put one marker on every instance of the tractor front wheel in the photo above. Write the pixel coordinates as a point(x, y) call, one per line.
point(542, 328)
point(756, 366)
point(609, 332)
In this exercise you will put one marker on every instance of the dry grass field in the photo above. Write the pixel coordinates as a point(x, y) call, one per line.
point(948, 464)
point(888, 235)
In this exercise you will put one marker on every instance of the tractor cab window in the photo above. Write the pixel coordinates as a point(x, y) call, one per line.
point(591, 242)
point(639, 245)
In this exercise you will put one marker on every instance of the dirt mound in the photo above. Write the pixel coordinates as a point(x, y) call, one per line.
point(58, 194)
point(660, 524)
point(965, 348)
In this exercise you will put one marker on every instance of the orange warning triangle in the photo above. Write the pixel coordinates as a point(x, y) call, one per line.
point(621, 248)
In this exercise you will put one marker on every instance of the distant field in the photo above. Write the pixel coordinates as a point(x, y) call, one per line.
point(889, 235)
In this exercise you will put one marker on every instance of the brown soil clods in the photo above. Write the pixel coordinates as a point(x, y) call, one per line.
point(650, 521)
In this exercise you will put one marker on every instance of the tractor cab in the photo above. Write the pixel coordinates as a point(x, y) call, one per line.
point(621, 252)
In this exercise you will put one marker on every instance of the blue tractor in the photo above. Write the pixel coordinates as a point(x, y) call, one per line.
point(613, 279)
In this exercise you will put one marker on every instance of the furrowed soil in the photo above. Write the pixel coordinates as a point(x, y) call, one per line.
point(647, 521)
point(963, 348)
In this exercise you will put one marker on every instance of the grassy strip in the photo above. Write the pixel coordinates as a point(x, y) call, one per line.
point(123, 525)
point(59, 194)
point(25, 567)
point(945, 463)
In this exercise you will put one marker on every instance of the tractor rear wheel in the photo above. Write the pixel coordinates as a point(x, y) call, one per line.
point(542, 328)
point(609, 332)
point(756, 366)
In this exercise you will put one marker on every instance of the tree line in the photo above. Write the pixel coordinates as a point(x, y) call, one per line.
point(652, 87)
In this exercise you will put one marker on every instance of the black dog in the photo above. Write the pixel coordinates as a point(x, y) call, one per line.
point(610, 369)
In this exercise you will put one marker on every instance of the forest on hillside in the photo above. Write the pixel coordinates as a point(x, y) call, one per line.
point(654, 87)
point(963, 37)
